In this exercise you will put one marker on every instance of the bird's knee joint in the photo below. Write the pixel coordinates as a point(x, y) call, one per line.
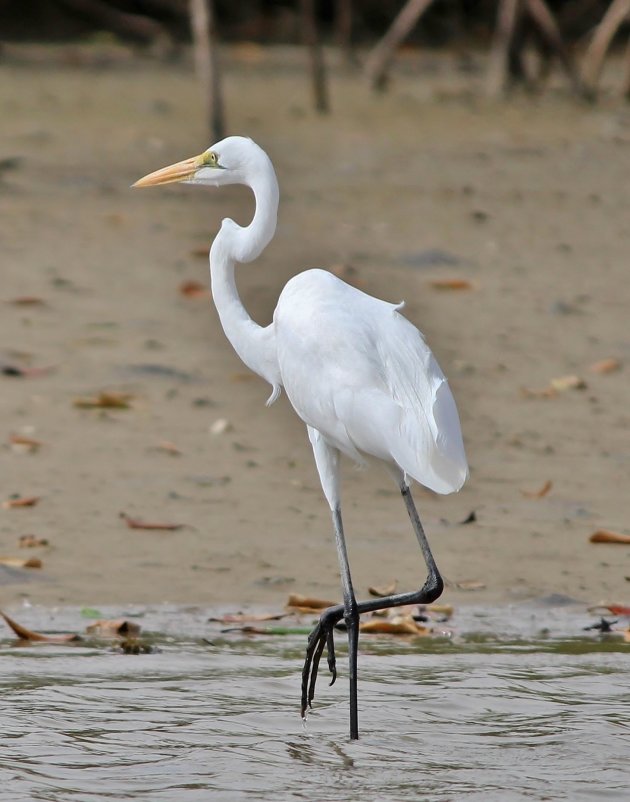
point(434, 587)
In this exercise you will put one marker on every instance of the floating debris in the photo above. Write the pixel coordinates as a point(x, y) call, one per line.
point(25, 634)
point(113, 628)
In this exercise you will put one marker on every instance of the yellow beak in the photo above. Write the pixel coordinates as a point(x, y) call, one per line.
point(171, 174)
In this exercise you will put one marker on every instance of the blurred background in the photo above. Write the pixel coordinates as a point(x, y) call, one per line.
point(470, 158)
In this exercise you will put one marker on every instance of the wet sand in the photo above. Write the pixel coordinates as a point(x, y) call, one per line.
point(527, 201)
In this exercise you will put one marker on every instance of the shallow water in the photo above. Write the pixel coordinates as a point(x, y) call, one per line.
point(525, 706)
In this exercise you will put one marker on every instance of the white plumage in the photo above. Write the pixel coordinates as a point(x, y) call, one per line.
point(362, 375)
point(356, 371)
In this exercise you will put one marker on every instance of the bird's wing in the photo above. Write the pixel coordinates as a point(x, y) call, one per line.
point(361, 374)
point(429, 446)
point(405, 412)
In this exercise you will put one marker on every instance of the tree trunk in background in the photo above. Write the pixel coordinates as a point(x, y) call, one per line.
point(207, 65)
point(383, 52)
point(617, 12)
point(316, 58)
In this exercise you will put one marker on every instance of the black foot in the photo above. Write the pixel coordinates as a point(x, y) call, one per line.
point(320, 637)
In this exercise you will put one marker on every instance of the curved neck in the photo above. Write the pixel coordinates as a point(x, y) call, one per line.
point(254, 344)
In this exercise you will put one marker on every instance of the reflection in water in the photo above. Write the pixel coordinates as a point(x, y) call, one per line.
point(522, 717)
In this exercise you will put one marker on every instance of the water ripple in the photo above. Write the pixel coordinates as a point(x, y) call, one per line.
point(197, 722)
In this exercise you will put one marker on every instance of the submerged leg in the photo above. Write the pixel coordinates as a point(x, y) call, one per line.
point(322, 635)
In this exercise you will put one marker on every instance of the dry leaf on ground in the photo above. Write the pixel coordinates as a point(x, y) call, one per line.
point(556, 386)
point(27, 300)
point(31, 541)
point(22, 443)
point(20, 501)
point(383, 590)
point(113, 628)
point(26, 634)
point(606, 365)
point(541, 492)
point(399, 625)
point(137, 523)
point(451, 284)
point(562, 383)
point(194, 289)
point(168, 448)
point(20, 562)
point(105, 400)
point(605, 536)
point(307, 604)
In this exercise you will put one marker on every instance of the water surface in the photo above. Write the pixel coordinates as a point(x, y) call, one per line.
point(516, 705)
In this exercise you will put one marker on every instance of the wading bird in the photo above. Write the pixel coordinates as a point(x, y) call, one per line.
point(356, 371)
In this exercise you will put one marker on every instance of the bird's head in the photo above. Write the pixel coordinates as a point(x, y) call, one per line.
point(234, 160)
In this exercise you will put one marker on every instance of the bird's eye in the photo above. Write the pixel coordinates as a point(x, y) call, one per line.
point(211, 158)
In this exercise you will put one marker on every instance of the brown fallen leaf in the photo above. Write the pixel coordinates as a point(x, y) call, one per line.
point(105, 400)
point(136, 523)
point(606, 366)
point(22, 443)
point(307, 604)
point(451, 284)
point(541, 492)
point(168, 448)
point(605, 536)
point(27, 300)
point(387, 590)
point(113, 628)
point(31, 541)
point(28, 635)
point(242, 618)
point(470, 584)
point(399, 625)
point(20, 501)
point(194, 289)
point(19, 562)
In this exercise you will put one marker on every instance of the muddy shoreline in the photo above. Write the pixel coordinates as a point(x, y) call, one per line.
point(527, 202)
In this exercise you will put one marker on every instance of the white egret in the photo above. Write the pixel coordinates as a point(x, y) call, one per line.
point(356, 371)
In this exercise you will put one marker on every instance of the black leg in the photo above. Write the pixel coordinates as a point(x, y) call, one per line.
point(322, 634)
